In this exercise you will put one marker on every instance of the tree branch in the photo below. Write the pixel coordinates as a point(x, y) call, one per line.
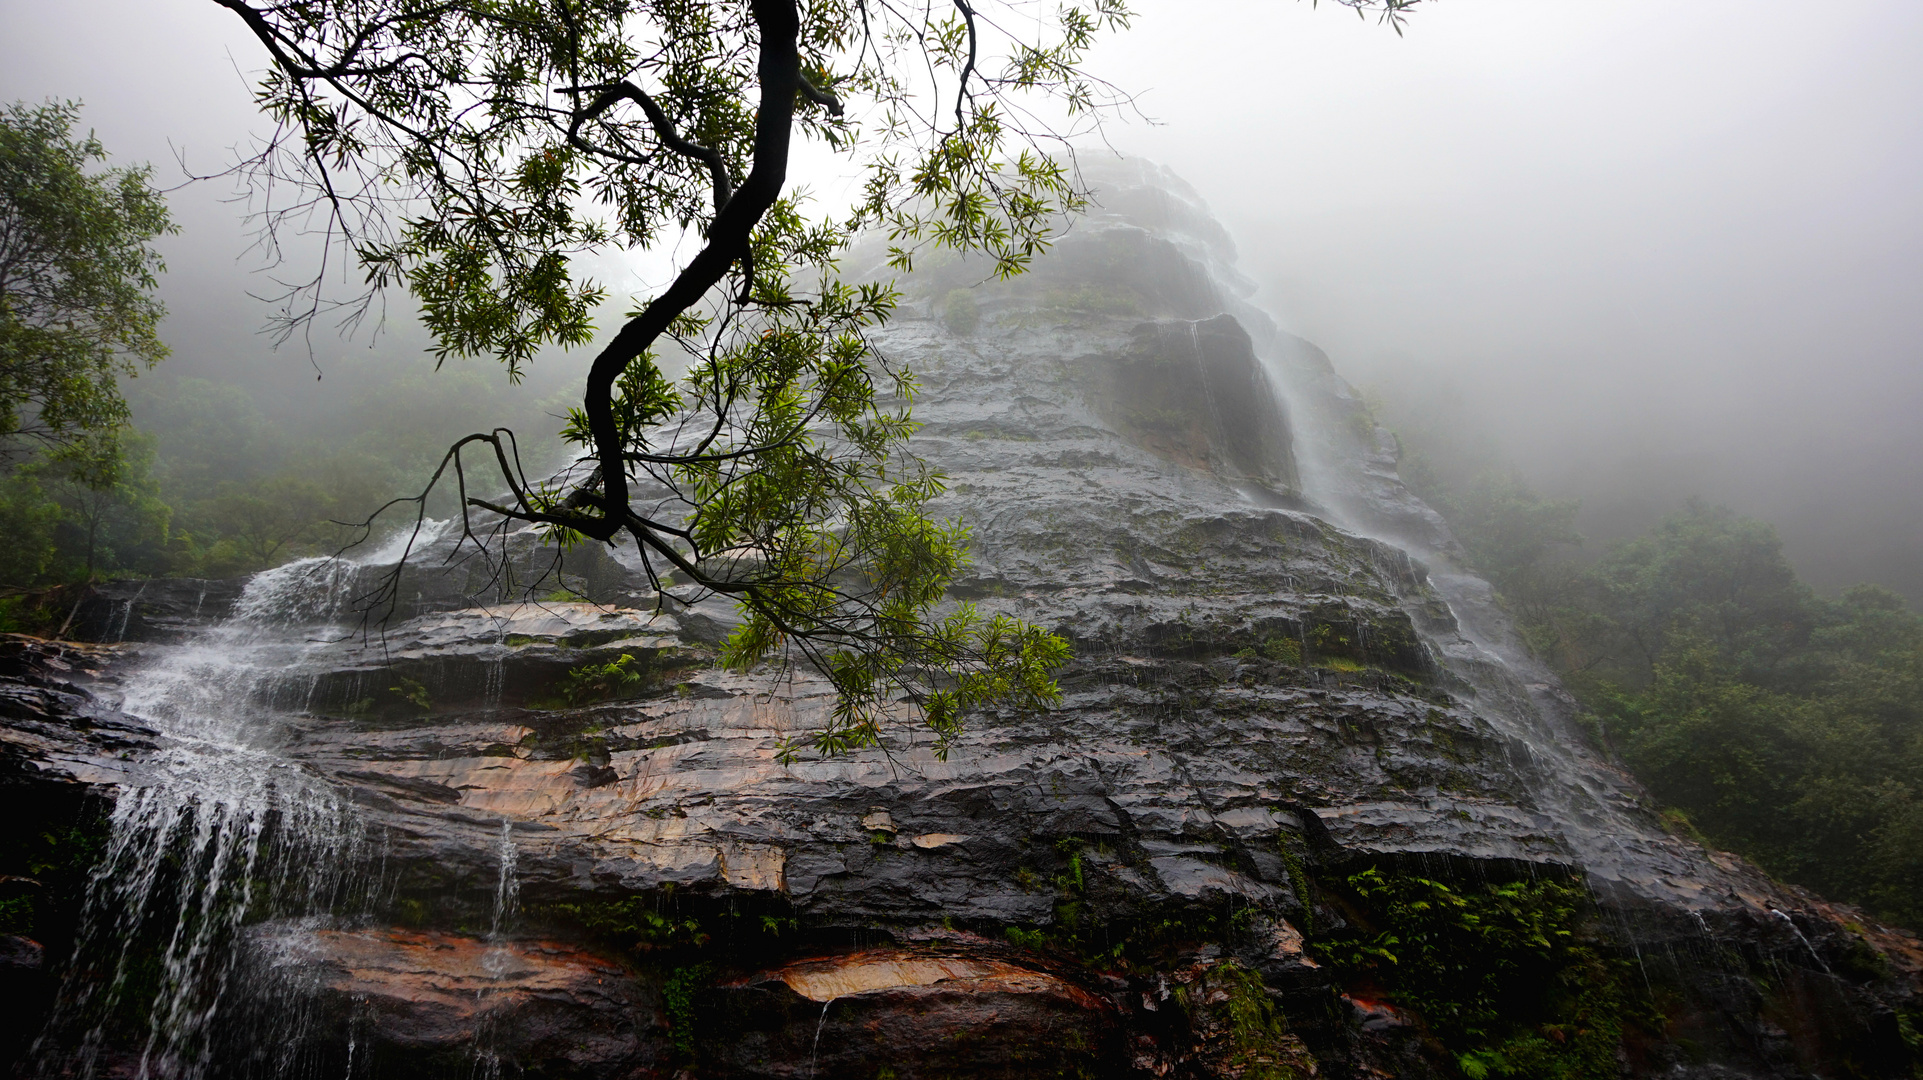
point(779, 69)
point(817, 95)
point(961, 92)
point(664, 129)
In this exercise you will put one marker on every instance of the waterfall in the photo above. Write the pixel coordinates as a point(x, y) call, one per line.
point(1587, 806)
point(220, 828)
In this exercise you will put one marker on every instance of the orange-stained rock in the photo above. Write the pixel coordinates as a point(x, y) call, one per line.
point(896, 969)
point(437, 1000)
point(953, 1009)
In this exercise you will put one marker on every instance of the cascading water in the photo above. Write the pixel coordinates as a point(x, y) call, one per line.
point(1587, 813)
point(1783, 917)
point(1346, 476)
point(507, 888)
point(488, 1056)
point(222, 828)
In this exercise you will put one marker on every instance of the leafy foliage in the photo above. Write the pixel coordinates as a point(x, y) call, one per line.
point(1502, 973)
point(1230, 1003)
point(77, 315)
point(1099, 934)
point(1787, 727)
point(678, 1003)
point(598, 682)
point(77, 271)
point(89, 505)
point(470, 151)
point(633, 922)
point(414, 692)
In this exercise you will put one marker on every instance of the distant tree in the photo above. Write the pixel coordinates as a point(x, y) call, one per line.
point(28, 518)
point(112, 514)
point(471, 149)
point(1786, 726)
point(77, 270)
point(1714, 574)
point(1507, 528)
point(248, 491)
point(210, 433)
point(265, 518)
point(83, 509)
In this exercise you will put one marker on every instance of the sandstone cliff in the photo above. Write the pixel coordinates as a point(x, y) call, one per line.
point(1282, 680)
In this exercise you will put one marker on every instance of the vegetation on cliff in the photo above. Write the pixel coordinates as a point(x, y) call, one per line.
point(1506, 975)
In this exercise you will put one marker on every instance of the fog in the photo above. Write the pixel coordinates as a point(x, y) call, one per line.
point(1658, 249)
point(1655, 250)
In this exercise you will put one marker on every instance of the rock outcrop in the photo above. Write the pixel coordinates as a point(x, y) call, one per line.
point(1280, 680)
point(422, 1002)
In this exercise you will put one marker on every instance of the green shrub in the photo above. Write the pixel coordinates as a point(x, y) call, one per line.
point(412, 691)
point(1282, 650)
point(1502, 973)
point(589, 683)
point(679, 995)
point(1259, 1047)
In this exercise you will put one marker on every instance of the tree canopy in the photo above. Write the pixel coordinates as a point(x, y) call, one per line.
point(77, 274)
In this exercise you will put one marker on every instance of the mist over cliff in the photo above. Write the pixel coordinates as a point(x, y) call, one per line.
point(1658, 252)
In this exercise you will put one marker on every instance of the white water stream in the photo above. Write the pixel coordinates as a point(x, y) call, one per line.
point(221, 829)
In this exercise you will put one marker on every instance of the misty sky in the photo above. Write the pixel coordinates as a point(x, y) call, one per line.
point(1666, 248)
point(1661, 248)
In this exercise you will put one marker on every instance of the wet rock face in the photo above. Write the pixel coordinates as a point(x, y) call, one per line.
point(947, 1011)
point(424, 1003)
point(167, 609)
point(54, 732)
point(1263, 703)
point(24, 985)
point(60, 750)
point(1193, 393)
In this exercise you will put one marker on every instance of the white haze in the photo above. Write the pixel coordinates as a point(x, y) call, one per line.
point(1660, 249)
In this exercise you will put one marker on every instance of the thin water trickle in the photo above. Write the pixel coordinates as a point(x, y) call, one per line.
point(1798, 931)
point(507, 887)
point(127, 614)
point(489, 1055)
point(814, 1051)
point(494, 680)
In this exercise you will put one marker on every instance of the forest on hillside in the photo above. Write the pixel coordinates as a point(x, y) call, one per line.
point(1769, 720)
point(207, 481)
point(115, 466)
